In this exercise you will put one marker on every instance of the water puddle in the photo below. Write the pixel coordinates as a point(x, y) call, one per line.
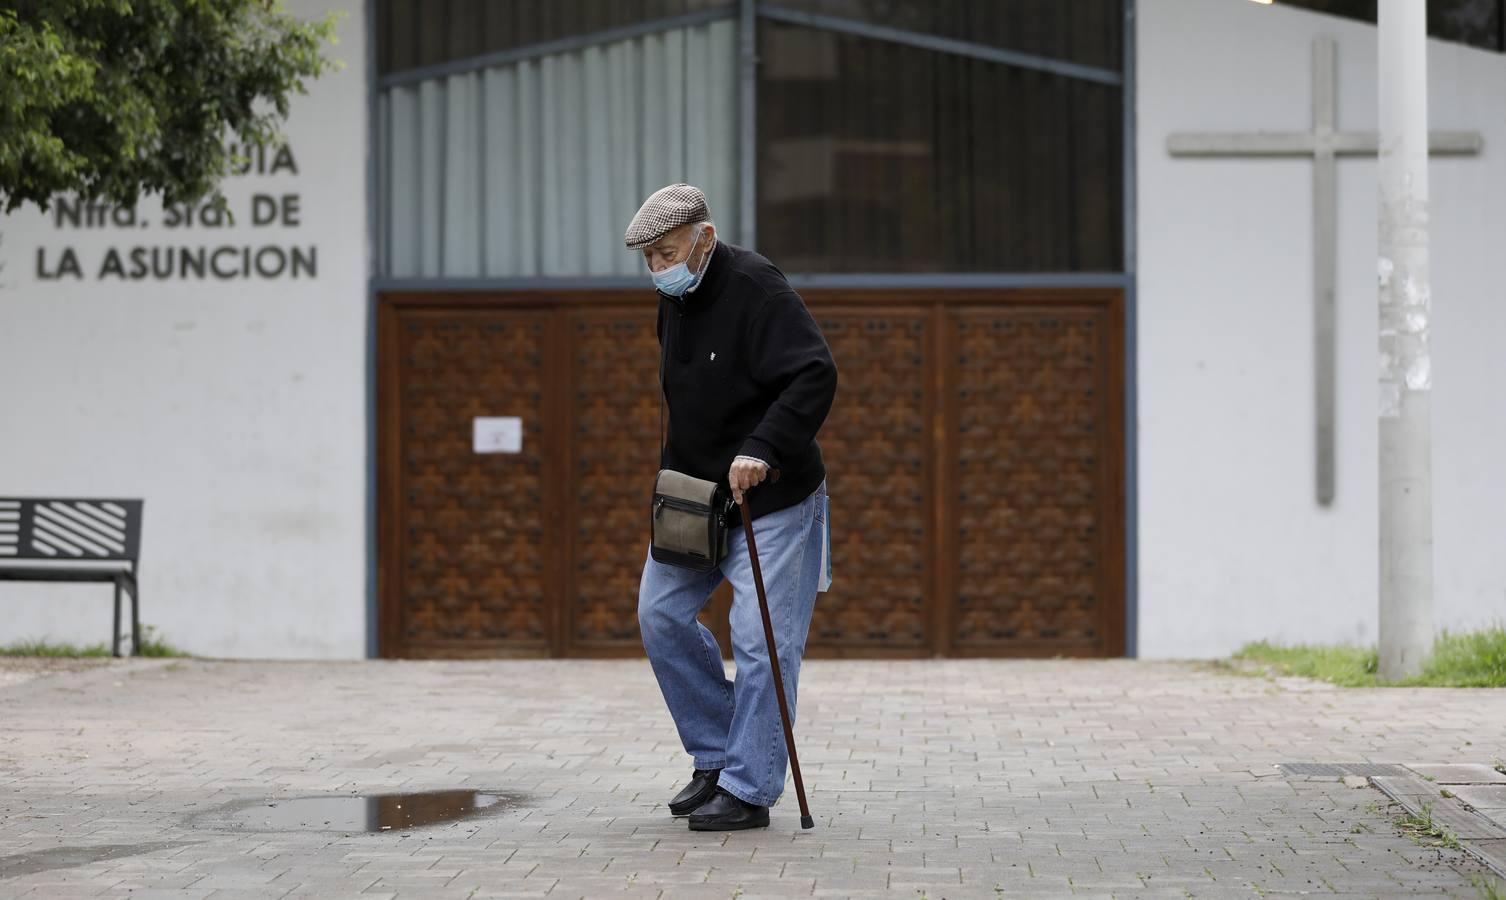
point(374, 812)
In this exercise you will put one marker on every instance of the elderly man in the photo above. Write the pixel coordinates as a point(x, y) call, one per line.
point(748, 379)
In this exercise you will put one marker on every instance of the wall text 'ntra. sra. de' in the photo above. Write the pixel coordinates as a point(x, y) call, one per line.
point(189, 260)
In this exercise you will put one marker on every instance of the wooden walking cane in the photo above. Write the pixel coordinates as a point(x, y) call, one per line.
point(768, 633)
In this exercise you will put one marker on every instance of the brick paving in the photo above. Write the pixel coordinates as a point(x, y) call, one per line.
point(1466, 801)
point(933, 779)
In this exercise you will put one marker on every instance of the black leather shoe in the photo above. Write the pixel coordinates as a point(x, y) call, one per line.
point(702, 786)
point(724, 812)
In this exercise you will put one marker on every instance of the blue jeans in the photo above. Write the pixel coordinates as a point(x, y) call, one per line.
point(734, 725)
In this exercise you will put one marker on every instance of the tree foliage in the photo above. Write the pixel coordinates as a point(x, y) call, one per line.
point(110, 99)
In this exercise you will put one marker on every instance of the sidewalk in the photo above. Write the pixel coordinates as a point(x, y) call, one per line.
point(955, 779)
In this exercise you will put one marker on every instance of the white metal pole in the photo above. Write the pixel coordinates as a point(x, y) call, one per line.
point(1406, 378)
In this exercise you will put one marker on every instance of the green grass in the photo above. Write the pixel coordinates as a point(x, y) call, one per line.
point(1489, 888)
point(1471, 659)
point(1476, 659)
point(1339, 664)
point(51, 649)
point(1427, 833)
point(152, 644)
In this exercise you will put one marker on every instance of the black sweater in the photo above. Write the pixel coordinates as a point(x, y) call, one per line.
point(745, 371)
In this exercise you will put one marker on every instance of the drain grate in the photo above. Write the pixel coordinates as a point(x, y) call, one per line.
point(1369, 770)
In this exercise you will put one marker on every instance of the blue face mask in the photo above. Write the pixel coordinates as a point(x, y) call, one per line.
point(677, 279)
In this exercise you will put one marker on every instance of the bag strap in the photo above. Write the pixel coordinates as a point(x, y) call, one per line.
point(663, 390)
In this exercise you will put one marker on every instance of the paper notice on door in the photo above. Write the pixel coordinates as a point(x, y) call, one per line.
point(497, 434)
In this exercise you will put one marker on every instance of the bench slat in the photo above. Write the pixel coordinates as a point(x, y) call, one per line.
point(70, 528)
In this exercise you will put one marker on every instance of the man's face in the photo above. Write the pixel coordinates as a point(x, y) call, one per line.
point(677, 245)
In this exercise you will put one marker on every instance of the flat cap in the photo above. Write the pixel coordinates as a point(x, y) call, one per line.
point(665, 210)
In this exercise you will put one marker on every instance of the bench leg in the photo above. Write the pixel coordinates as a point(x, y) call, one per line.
point(115, 632)
point(135, 619)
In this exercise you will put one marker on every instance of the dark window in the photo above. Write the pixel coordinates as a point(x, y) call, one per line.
point(1479, 23)
point(879, 157)
point(1080, 31)
point(415, 33)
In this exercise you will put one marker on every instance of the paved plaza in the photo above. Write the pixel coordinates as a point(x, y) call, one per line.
point(932, 779)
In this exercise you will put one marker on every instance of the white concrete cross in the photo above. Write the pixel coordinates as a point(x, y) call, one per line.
point(1324, 143)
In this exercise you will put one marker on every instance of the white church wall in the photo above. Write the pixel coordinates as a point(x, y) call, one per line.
point(234, 406)
point(1233, 546)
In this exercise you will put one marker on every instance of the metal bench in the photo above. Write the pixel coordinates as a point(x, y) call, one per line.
point(75, 540)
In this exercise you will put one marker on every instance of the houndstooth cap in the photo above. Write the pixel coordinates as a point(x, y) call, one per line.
point(665, 210)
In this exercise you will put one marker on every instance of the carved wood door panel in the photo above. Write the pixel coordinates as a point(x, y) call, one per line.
point(468, 567)
point(1036, 484)
point(613, 453)
point(533, 554)
point(613, 448)
point(877, 449)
